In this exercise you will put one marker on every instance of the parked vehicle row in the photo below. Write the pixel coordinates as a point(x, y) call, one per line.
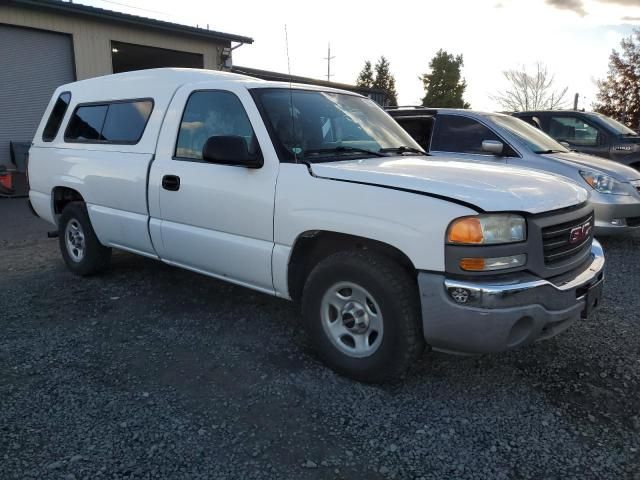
point(495, 138)
point(589, 132)
point(316, 195)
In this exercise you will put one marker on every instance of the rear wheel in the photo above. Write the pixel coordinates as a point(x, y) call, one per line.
point(361, 311)
point(80, 248)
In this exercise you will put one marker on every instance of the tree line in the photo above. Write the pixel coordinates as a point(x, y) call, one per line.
point(444, 87)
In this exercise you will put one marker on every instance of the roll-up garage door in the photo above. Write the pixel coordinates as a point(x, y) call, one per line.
point(33, 63)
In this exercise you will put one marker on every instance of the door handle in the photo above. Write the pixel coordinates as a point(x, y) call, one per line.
point(171, 182)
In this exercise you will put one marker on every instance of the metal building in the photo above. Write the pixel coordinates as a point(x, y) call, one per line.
point(46, 43)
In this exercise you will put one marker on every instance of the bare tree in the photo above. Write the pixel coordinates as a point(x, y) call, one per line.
point(535, 91)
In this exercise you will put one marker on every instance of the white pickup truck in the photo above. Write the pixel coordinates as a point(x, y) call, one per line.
point(318, 196)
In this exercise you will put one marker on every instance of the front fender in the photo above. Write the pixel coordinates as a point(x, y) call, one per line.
point(412, 223)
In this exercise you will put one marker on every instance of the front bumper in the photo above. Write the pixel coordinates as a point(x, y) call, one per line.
point(615, 214)
point(514, 310)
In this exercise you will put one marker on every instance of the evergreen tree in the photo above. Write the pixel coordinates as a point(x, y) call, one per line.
point(384, 80)
point(619, 93)
point(444, 85)
point(365, 78)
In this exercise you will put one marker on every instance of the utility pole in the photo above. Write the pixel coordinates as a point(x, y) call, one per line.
point(328, 58)
point(575, 101)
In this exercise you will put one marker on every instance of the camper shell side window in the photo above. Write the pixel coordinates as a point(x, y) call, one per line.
point(121, 122)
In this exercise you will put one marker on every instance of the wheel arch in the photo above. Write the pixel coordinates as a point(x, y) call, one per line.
point(61, 196)
point(312, 246)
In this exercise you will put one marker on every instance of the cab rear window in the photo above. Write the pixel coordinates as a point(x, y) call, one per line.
point(121, 122)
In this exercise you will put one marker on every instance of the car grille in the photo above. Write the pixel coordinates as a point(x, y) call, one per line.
point(558, 244)
point(633, 221)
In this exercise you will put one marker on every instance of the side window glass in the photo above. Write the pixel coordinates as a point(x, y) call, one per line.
point(126, 121)
point(86, 123)
point(453, 133)
point(419, 129)
point(213, 113)
point(573, 130)
point(55, 119)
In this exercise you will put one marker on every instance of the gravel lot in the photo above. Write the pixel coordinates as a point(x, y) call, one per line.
point(154, 372)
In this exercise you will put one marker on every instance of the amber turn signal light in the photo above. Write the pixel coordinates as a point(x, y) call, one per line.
point(490, 264)
point(472, 264)
point(466, 230)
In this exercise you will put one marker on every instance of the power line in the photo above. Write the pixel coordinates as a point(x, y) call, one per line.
point(142, 9)
point(134, 7)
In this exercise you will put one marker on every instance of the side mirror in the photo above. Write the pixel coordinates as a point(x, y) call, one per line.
point(565, 144)
point(229, 150)
point(493, 146)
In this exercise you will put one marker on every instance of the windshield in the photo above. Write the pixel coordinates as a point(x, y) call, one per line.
point(535, 139)
point(316, 126)
point(615, 125)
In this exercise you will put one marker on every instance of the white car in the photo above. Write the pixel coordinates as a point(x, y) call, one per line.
point(318, 196)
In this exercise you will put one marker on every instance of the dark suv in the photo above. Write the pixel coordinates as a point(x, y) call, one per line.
point(589, 132)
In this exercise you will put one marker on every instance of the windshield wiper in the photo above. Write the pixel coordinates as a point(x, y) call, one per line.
point(403, 149)
point(542, 152)
point(342, 149)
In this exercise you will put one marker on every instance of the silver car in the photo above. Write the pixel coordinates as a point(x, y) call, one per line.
point(498, 138)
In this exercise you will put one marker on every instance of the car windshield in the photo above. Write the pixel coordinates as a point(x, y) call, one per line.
point(317, 126)
point(615, 125)
point(535, 139)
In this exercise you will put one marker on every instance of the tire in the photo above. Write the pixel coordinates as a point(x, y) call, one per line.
point(377, 334)
point(80, 248)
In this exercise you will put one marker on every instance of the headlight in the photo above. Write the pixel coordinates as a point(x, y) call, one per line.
point(487, 230)
point(603, 183)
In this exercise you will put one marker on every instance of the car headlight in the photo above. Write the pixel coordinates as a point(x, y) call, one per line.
point(603, 183)
point(487, 230)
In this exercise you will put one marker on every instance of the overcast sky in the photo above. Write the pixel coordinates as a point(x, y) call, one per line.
point(573, 37)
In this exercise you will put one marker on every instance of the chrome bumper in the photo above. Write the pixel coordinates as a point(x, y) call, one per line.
point(491, 316)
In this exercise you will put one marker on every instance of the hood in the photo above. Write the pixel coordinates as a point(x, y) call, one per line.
point(489, 187)
point(628, 138)
point(581, 160)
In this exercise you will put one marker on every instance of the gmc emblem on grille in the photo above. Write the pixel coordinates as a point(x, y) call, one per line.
point(579, 234)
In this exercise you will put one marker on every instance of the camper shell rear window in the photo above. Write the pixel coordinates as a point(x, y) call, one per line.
point(55, 118)
point(119, 122)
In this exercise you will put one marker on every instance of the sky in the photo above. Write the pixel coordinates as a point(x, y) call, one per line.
point(574, 38)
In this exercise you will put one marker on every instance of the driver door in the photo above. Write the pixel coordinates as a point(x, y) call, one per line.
point(580, 134)
point(213, 218)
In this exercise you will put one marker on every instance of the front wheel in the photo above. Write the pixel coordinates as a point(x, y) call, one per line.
point(361, 310)
point(80, 248)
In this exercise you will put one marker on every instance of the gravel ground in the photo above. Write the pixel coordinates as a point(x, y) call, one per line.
point(154, 372)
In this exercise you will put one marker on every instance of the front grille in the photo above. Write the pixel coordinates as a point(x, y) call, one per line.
point(557, 241)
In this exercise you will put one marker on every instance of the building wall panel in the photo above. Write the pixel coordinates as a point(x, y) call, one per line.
point(92, 38)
